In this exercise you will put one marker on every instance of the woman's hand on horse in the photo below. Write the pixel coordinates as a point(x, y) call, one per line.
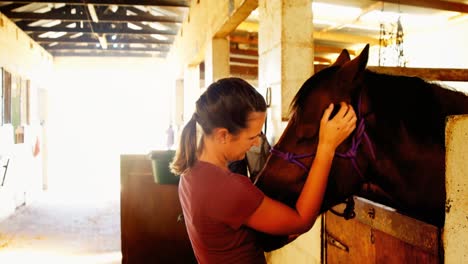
point(334, 131)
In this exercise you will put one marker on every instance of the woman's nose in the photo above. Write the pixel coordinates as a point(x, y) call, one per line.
point(257, 141)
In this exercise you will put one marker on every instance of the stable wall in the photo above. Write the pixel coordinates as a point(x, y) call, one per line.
point(21, 56)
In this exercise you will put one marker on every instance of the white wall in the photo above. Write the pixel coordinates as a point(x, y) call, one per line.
point(21, 56)
point(101, 108)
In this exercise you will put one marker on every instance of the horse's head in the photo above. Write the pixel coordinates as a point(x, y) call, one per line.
point(287, 167)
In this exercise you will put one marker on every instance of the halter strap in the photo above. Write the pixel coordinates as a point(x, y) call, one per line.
point(351, 154)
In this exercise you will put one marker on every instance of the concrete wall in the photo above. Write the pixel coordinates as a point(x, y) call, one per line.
point(455, 231)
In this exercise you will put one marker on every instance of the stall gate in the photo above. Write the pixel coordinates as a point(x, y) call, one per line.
point(379, 234)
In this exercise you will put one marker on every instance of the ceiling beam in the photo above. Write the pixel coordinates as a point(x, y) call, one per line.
point(330, 49)
point(110, 41)
point(175, 3)
point(440, 5)
point(97, 28)
point(251, 40)
point(253, 53)
point(435, 74)
point(244, 60)
point(344, 38)
point(105, 53)
point(236, 17)
point(113, 18)
point(244, 70)
point(110, 48)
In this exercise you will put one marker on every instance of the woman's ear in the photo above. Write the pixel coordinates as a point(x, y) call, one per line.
point(221, 135)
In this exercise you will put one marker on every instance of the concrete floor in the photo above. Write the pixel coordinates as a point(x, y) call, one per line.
point(63, 228)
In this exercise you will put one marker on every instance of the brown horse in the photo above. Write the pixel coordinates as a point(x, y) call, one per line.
point(396, 155)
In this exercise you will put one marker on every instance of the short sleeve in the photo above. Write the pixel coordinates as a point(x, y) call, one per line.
point(234, 200)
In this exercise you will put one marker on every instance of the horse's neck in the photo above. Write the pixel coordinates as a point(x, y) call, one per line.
point(453, 102)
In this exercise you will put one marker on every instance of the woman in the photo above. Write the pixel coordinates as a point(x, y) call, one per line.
point(222, 208)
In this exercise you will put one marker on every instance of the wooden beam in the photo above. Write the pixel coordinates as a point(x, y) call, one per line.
point(455, 75)
point(97, 28)
point(322, 60)
point(440, 5)
point(345, 38)
point(243, 39)
point(236, 17)
point(242, 60)
point(110, 41)
point(175, 3)
point(253, 53)
point(329, 36)
point(114, 18)
point(433, 74)
point(330, 49)
point(110, 48)
point(244, 71)
point(106, 53)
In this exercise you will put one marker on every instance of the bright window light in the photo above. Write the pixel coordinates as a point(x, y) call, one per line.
point(335, 12)
point(159, 37)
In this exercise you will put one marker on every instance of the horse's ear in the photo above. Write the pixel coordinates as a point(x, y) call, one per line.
point(342, 59)
point(353, 69)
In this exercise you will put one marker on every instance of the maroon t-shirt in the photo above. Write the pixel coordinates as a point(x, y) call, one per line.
point(216, 203)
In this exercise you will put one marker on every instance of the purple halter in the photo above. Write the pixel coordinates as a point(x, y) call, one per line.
point(356, 140)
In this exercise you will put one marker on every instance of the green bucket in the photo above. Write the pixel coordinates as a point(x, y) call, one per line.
point(160, 160)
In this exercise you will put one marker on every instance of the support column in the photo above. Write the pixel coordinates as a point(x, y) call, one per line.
point(285, 63)
point(191, 90)
point(285, 52)
point(456, 205)
point(216, 60)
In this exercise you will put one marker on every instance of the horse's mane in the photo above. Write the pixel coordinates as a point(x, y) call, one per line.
point(299, 101)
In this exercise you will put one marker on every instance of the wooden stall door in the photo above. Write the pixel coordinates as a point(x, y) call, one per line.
point(379, 234)
point(151, 224)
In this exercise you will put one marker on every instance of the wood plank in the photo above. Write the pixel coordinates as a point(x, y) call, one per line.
point(236, 17)
point(253, 53)
point(244, 71)
point(440, 4)
point(152, 231)
point(175, 3)
point(404, 228)
point(351, 235)
point(254, 62)
point(391, 250)
point(113, 18)
point(433, 74)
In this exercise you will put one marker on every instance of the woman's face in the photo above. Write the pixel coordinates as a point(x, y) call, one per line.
point(238, 145)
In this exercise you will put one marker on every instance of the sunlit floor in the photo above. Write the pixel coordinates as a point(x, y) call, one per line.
point(68, 227)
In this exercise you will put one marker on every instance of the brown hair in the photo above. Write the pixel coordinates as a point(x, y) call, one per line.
point(225, 104)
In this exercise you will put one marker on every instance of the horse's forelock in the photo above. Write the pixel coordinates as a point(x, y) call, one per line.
point(299, 102)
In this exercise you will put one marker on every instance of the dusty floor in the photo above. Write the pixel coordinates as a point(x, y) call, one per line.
point(63, 228)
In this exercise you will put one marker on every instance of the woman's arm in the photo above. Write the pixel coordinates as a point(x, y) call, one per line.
point(274, 217)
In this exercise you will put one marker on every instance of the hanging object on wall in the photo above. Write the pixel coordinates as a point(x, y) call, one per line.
point(391, 44)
